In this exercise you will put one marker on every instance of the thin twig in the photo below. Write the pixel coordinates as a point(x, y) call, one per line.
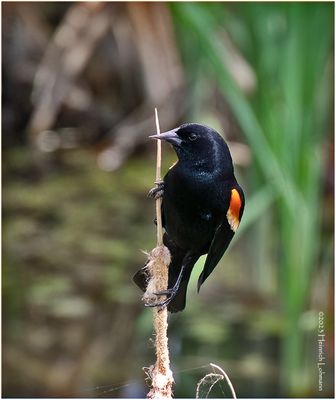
point(227, 379)
point(211, 378)
point(158, 179)
point(159, 260)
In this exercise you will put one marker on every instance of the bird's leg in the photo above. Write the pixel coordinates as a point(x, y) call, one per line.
point(170, 293)
point(157, 191)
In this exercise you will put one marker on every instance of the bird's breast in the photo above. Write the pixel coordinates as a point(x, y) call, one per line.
point(191, 208)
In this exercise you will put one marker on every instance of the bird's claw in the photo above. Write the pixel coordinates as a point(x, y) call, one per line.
point(161, 305)
point(170, 293)
point(157, 191)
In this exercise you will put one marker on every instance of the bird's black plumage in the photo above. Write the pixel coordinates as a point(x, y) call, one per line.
point(202, 206)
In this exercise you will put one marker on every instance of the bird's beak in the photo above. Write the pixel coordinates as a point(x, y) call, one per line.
point(169, 136)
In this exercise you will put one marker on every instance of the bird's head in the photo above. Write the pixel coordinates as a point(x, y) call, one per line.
point(197, 144)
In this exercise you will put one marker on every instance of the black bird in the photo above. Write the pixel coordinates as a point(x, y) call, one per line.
point(202, 207)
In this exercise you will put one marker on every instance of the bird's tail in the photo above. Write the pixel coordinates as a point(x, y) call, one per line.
point(178, 302)
point(141, 277)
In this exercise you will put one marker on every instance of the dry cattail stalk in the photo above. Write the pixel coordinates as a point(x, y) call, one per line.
point(157, 266)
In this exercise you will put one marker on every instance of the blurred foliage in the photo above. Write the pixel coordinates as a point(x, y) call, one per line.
point(285, 123)
point(75, 213)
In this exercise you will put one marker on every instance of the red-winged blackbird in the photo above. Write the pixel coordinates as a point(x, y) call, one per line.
point(202, 206)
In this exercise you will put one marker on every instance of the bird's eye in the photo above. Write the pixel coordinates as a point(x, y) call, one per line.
point(192, 136)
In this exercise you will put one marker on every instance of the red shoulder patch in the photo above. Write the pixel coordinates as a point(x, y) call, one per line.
point(233, 212)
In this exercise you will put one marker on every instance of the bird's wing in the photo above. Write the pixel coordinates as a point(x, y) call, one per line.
point(224, 233)
point(219, 244)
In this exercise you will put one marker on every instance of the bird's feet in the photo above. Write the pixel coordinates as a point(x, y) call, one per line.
point(170, 293)
point(157, 191)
